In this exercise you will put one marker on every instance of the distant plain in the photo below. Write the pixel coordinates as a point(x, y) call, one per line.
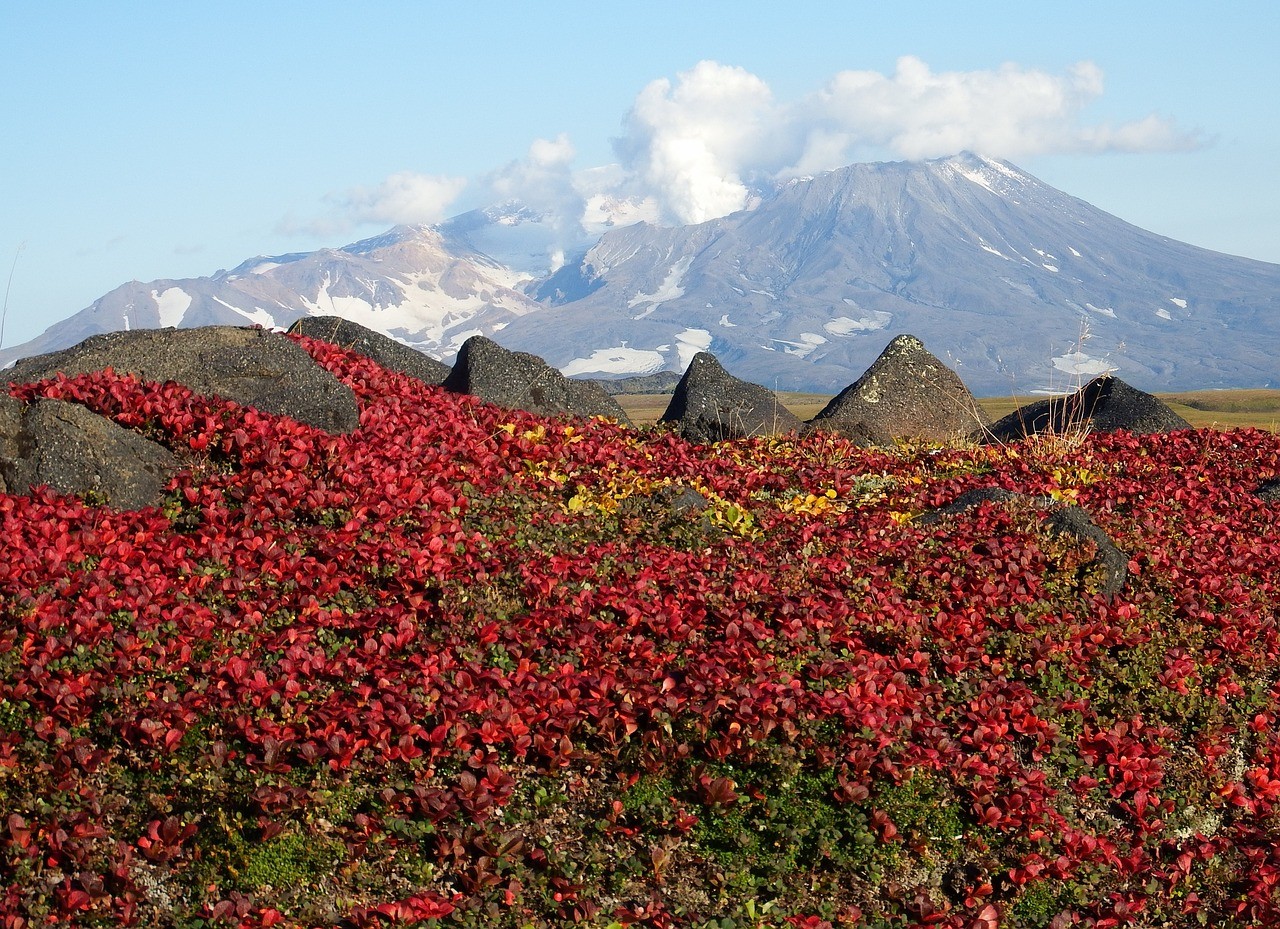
point(1217, 409)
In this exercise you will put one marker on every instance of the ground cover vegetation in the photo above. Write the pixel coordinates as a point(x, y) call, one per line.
point(468, 667)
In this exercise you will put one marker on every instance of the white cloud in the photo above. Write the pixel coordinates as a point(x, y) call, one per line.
point(708, 142)
point(1007, 113)
point(542, 181)
point(404, 197)
point(691, 142)
point(696, 144)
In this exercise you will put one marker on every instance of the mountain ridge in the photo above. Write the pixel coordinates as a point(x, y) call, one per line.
point(997, 272)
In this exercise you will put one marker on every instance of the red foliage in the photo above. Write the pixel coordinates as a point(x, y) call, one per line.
point(311, 609)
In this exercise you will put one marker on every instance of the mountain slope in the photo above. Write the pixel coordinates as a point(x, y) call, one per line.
point(993, 269)
point(413, 282)
point(998, 273)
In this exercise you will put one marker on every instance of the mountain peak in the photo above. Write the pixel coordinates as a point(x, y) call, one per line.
point(396, 235)
point(997, 272)
point(995, 175)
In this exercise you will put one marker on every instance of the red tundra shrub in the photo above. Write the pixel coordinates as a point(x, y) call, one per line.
point(472, 667)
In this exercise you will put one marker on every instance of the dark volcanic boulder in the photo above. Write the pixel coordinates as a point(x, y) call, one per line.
point(907, 393)
point(1105, 404)
point(76, 451)
point(710, 404)
point(11, 413)
point(520, 381)
point(385, 350)
point(253, 367)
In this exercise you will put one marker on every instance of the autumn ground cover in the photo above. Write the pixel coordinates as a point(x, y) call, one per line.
point(469, 667)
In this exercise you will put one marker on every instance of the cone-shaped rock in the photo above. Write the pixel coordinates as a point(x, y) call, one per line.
point(253, 367)
point(1105, 404)
point(383, 349)
point(710, 404)
point(520, 381)
point(907, 393)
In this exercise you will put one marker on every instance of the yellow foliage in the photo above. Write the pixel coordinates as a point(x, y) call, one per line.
point(1068, 482)
point(810, 504)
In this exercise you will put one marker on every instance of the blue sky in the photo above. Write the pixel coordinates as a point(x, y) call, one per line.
point(149, 140)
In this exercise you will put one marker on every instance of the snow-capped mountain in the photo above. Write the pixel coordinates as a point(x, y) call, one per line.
point(995, 271)
point(415, 283)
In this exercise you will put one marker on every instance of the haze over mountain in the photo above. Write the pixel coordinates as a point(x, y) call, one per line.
point(997, 272)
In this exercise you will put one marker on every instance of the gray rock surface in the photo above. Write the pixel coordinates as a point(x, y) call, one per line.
point(519, 381)
point(253, 367)
point(1105, 404)
point(710, 404)
point(76, 451)
point(11, 411)
point(907, 393)
point(383, 349)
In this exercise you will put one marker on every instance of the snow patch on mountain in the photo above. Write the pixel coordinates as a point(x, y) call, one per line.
point(619, 360)
point(1178, 302)
point(978, 178)
point(430, 304)
point(803, 348)
point(1163, 313)
point(844, 325)
point(669, 289)
point(689, 342)
point(258, 316)
point(987, 173)
point(1046, 260)
point(172, 304)
point(1082, 365)
point(1101, 310)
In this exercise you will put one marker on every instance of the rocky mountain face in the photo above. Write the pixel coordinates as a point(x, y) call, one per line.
point(995, 271)
point(998, 273)
point(427, 289)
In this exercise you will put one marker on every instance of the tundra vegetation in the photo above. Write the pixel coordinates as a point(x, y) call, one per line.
point(472, 667)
